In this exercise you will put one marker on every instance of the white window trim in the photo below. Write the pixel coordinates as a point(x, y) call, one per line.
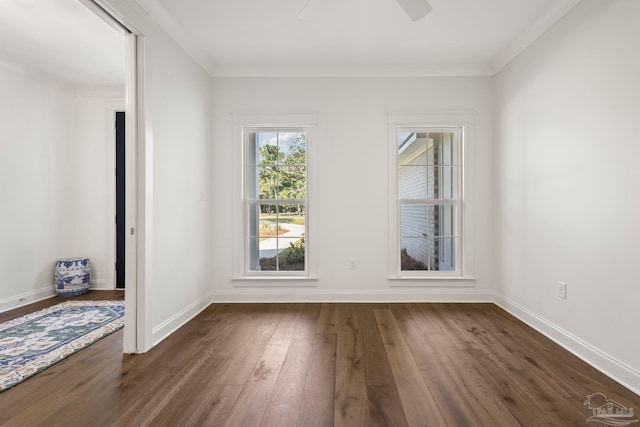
point(241, 276)
point(448, 119)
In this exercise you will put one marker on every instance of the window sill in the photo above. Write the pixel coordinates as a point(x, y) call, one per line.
point(432, 281)
point(275, 281)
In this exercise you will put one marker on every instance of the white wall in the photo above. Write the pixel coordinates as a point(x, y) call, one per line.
point(174, 184)
point(37, 133)
point(351, 206)
point(180, 256)
point(56, 194)
point(568, 184)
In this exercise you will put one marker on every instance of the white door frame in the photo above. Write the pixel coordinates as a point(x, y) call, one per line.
point(131, 324)
point(135, 338)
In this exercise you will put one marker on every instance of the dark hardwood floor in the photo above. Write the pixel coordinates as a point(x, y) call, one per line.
point(321, 365)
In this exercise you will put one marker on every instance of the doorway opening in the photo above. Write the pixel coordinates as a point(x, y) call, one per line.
point(120, 199)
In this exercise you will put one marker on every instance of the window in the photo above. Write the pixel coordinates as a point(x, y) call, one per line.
point(428, 173)
point(275, 200)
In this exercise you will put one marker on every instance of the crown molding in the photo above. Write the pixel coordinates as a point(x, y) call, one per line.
point(532, 33)
point(356, 70)
point(164, 20)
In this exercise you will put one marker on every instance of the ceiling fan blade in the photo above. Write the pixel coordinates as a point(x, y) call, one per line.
point(313, 9)
point(416, 9)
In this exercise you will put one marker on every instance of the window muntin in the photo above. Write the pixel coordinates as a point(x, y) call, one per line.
point(428, 178)
point(276, 200)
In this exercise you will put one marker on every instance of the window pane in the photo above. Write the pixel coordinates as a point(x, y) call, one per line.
point(263, 242)
point(261, 250)
point(414, 220)
point(428, 237)
point(262, 220)
point(447, 221)
point(427, 182)
point(412, 150)
point(268, 152)
point(433, 184)
point(428, 254)
point(445, 256)
point(272, 231)
point(427, 148)
point(442, 148)
point(269, 222)
point(264, 182)
point(293, 145)
point(414, 253)
point(403, 136)
point(445, 182)
point(292, 218)
point(412, 182)
point(292, 182)
point(292, 255)
point(427, 220)
point(263, 228)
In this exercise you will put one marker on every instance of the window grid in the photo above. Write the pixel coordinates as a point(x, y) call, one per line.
point(428, 191)
point(275, 198)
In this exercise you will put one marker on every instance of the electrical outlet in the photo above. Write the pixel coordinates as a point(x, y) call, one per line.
point(353, 264)
point(562, 290)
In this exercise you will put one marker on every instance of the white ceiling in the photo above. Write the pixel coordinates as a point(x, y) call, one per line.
point(62, 41)
point(354, 37)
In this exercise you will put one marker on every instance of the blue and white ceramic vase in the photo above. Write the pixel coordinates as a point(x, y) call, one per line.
point(72, 277)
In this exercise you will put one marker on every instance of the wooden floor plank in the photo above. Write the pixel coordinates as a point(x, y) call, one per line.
point(328, 320)
point(249, 340)
point(316, 407)
point(284, 402)
point(385, 407)
point(351, 407)
point(419, 405)
point(283, 408)
point(210, 407)
point(252, 402)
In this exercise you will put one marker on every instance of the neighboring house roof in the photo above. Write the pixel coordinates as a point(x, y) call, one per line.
point(413, 146)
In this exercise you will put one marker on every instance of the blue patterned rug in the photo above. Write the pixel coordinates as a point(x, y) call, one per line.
point(34, 342)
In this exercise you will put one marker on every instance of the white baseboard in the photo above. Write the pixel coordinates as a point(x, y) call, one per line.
point(100, 285)
point(176, 321)
point(271, 295)
point(608, 365)
point(27, 298)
